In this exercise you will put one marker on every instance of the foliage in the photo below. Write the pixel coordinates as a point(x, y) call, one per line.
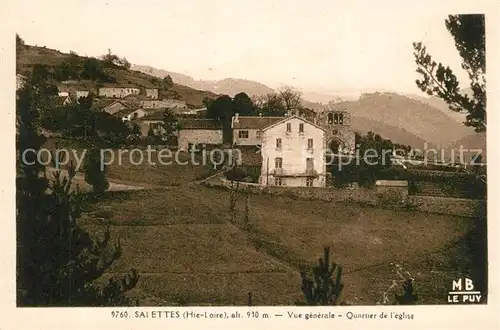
point(221, 109)
point(169, 126)
point(168, 82)
point(243, 105)
point(468, 32)
point(325, 287)
point(95, 172)
point(110, 60)
point(270, 105)
point(291, 98)
point(57, 261)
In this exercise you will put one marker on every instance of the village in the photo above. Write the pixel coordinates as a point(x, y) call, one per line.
point(256, 231)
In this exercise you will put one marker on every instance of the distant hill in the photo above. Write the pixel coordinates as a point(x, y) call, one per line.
point(472, 141)
point(420, 119)
point(441, 105)
point(31, 55)
point(229, 86)
point(397, 135)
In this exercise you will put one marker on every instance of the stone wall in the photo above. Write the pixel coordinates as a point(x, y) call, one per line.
point(387, 195)
point(199, 136)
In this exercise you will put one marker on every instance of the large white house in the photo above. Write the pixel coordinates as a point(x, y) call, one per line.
point(293, 153)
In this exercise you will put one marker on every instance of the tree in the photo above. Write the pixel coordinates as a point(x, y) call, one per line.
point(221, 109)
point(325, 287)
point(168, 82)
point(95, 172)
point(57, 261)
point(291, 98)
point(270, 105)
point(92, 69)
point(468, 32)
point(169, 126)
point(243, 105)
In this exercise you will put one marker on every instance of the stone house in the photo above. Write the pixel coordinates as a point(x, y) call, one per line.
point(131, 114)
point(293, 153)
point(167, 103)
point(151, 93)
point(194, 132)
point(110, 106)
point(247, 129)
point(81, 93)
point(60, 100)
point(113, 91)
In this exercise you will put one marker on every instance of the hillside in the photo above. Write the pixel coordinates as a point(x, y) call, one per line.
point(441, 105)
point(395, 134)
point(472, 141)
point(229, 86)
point(422, 120)
point(31, 55)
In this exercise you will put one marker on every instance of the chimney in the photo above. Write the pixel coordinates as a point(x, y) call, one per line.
point(236, 118)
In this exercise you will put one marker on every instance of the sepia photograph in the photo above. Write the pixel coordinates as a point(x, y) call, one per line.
point(217, 153)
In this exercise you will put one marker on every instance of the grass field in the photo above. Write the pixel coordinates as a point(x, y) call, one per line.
point(130, 169)
point(188, 250)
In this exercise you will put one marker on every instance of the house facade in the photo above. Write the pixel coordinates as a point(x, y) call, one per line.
point(194, 132)
point(247, 130)
point(81, 93)
point(110, 106)
point(131, 114)
point(151, 104)
point(118, 91)
point(293, 153)
point(151, 93)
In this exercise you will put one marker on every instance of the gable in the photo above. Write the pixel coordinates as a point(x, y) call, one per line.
point(295, 121)
point(115, 107)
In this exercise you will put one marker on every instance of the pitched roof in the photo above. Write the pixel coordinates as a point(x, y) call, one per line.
point(285, 119)
point(199, 124)
point(126, 112)
point(59, 100)
point(154, 114)
point(105, 103)
point(254, 122)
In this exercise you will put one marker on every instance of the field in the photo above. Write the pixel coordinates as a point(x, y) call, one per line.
point(189, 251)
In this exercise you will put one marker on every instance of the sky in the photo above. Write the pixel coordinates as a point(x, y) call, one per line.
point(321, 46)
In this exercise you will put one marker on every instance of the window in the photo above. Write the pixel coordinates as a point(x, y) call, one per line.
point(341, 119)
point(243, 134)
point(309, 182)
point(310, 143)
point(310, 164)
point(301, 128)
point(154, 126)
point(330, 118)
point(336, 118)
point(278, 143)
point(258, 134)
point(278, 162)
point(278, 181)
point(288, 127)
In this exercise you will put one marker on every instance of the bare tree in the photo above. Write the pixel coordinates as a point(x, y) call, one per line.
point(291, 98)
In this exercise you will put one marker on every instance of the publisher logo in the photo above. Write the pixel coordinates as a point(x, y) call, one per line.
point(463, 292)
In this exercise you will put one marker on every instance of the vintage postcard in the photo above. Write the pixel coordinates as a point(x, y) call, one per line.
point(225, 163)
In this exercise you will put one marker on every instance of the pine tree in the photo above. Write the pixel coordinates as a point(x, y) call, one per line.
point(325, 287)
point(58, 262)
point(95, 172)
